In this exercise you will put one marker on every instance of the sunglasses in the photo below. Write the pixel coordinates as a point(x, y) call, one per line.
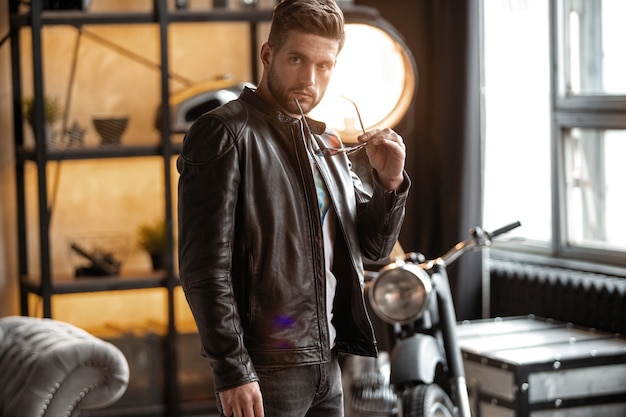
point(331, 151)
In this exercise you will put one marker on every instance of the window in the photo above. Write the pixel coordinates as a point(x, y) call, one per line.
point(516, 75)
point(555, 126)
point(590, 48)
point(594, 191)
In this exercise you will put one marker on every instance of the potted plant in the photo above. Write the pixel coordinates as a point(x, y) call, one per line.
point(52, 113)
point(151, 238)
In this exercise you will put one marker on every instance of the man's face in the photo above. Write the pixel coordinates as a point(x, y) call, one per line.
point(300, 69)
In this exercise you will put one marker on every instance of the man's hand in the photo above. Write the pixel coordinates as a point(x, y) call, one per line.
point(386, 152)
point(243, 401)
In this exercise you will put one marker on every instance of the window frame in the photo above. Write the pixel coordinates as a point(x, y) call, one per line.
point(580, 111)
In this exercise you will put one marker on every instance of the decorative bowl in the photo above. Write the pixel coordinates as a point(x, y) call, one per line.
point(110, 129)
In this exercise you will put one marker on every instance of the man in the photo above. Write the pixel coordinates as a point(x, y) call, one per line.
point(271, 230)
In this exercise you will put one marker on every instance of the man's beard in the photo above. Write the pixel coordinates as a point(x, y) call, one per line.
point(282, 97)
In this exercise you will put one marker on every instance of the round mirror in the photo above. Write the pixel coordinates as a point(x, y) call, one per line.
point(376, 71)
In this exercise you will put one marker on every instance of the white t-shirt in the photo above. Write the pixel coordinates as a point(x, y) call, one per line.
point(328, 226)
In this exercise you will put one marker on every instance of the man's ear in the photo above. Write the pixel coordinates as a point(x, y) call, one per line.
point(266, 54)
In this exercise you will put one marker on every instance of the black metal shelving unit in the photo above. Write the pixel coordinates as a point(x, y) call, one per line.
point(45, 285)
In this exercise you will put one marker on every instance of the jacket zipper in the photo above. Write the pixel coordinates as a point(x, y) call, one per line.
point(314, 218)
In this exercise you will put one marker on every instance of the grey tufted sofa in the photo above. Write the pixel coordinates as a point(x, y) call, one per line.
point(54, 369)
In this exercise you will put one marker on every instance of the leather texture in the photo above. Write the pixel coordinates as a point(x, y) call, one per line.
point(251, 245)
point(50, 368)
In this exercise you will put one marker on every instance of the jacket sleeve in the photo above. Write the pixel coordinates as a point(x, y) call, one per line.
point(207, 197)
point(380, 217)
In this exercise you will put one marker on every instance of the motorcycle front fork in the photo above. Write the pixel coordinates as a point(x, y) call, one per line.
point(453, 349)
point(459, 385)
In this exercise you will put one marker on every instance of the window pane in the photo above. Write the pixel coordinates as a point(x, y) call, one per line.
point(517, 117)
point(593, 34)
point(596, 202)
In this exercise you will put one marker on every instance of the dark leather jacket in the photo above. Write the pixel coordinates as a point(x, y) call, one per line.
point(251, 246)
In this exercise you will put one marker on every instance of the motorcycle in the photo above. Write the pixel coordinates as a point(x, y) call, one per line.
point(423, 374)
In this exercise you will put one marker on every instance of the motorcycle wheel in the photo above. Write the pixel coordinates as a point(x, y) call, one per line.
point(427, 401)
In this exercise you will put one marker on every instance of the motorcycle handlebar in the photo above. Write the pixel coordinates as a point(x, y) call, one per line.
point(504, 229)
point(479, 239)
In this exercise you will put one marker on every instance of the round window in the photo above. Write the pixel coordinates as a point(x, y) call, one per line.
point(376, 71)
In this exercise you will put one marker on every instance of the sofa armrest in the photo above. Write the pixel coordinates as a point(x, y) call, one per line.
point(52, 368)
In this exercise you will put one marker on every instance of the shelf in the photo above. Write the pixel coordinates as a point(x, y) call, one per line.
point(247, 16)
point(166, 284)
point(30, 154)
point(79, 17)
point(70, 285)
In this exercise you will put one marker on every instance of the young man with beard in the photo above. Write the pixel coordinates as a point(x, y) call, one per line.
point(271, 230)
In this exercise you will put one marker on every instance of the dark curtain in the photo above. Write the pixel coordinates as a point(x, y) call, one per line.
point(442, 132)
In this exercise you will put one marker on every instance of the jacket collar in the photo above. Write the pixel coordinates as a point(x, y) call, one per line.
point(249, 96)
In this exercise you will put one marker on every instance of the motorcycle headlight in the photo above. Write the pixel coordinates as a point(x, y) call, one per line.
point(400, 292)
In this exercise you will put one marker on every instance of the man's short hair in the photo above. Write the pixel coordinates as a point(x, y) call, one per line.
point(318, 17)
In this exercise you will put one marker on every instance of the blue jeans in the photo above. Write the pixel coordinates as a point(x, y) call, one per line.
point(302, 391)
